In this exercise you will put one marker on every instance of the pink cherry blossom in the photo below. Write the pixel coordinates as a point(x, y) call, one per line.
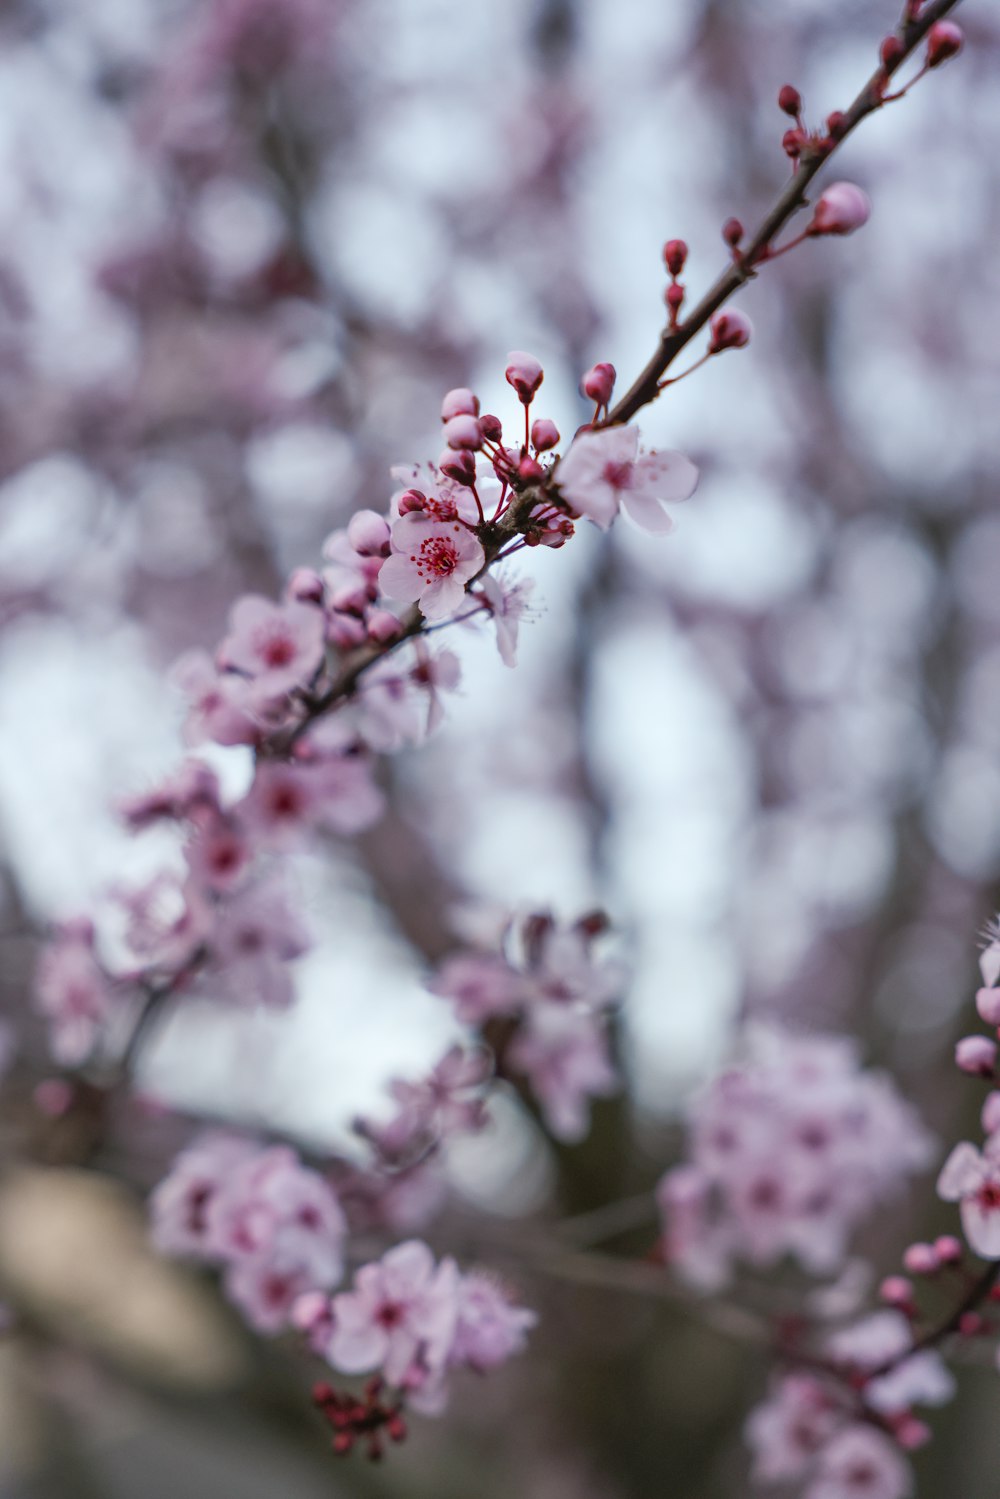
point(479, 986)
point(279, 646)
point(432, 562)
point(860, 1462)
point(509, 603)
point(257, 934)
point(490, 1327)
point(972, 1178)
point(180, 1204)
point(563, 1053)
point(791, 1427)
point(287, 801)
point(221, 705)
point(399, 1318)
point(603, 471)
point(884, 1338)
point(73, 992)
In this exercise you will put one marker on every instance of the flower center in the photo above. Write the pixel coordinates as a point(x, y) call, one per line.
point(389, 1315)
point(618, 475)
point(988, 1196)
point(277, 651)
point(438, 557)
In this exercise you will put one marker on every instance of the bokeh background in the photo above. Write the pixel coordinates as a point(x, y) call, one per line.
point(245, 245)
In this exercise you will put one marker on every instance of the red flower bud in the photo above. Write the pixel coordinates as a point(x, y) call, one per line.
point(732, 232)
point(891, 51)
point(598, 383)
point(792, 142)
point(730, 330)
point(790, 100)
point(675, 253)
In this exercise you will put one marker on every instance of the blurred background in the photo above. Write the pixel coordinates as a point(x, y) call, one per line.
point(245, 246)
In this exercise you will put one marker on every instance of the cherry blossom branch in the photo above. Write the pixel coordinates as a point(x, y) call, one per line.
point(814, 155)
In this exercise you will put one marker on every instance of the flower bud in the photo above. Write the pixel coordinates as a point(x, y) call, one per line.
point(921, 1259)
point(910, 1432)
point(544, 435)
point(976, 1055)
point(944, 40)
point(675, 253)
point(971, 1324)
point(598, 383)
point(491, 427)
point(458, 464)
point(368, 533)
point(463, 432)
point(383, 626)
point(897, 1291)
point(730, 330)
point(305, 586)
point(790, 100)
point(529, 471)
point(674, 297)
point(842, 208)
point(525, 374)
point(836, 124)
point(990, 1116)
point(459, 402)
point(891, 51)
point(410, 500)
point(948, 1249)
point(732, 232)
point(349, 598)
point(345, 631)
point(988, 1005)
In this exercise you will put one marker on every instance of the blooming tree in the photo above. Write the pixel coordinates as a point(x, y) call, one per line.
point(318, 688)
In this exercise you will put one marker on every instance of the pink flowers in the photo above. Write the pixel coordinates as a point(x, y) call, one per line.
point(73, 992)
point(432, 562)
point(413, 1320)
point(275, 1226)
point(789, 1151)
point(972, 1178)
point(278, 646)
point(603, 471)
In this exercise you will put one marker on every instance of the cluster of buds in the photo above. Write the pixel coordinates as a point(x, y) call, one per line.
point(368, 1417)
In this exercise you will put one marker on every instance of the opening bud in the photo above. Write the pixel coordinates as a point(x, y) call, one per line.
point(792, 142)
point(729, 330)
point(491, 427)
point(306, 586)
point(463, 431)
point(976, 1055)
point(458, 464)
point(842, 208)
point(368, 533)
point(459, 402)
point(410, 500)
point(525, 374)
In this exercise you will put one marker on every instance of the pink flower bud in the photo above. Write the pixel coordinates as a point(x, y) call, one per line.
point(948, 1249)
point(790, 100)
point(598, 383)
point(836, 124)
point(990, 1116)
point(842, 208)
point(988, 1005)
point(921, 1259)
point(910, 1432)
point(897, 1291)
point(530, 472)
point(891, 51)
point(675, 253)
point(345, 631)
point(350, 598)
point(544, 435)
point(463, 432)
point(368, 533)
point(458, 464)
point(491, 427)
point(410, 500)
point(976, 1055)
point(525, 374)
point(305, 586)
point(383, 626)
point(944, 40)
point(730, 330)
point(732, 232)
point(459, 402)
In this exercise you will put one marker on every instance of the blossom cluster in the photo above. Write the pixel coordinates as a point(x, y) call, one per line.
point(545, 997)
point(788, 1152)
